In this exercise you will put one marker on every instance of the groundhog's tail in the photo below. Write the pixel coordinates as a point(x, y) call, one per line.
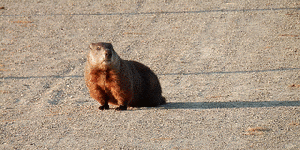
point(154, 101)
point(163, 101)
point(160, 101)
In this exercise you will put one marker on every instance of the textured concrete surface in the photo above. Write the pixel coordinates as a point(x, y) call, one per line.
point(230, 71)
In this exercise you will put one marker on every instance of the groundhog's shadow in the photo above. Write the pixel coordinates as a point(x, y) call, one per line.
point(243, 104)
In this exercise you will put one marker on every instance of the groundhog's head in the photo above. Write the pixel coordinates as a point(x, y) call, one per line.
point(103, 55)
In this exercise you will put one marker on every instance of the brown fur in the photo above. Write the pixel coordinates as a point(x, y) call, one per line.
point(112, 80)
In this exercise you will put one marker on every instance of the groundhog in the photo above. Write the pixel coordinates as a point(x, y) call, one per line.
point(112, 80)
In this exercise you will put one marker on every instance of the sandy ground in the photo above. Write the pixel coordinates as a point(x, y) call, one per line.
point(230, 71)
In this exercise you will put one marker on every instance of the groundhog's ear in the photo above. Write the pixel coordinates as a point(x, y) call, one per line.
point(92, 45)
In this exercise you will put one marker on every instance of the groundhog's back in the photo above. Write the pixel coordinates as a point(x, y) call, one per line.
point(148, 93)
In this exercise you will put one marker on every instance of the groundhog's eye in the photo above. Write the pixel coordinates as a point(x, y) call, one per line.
point(98, 48)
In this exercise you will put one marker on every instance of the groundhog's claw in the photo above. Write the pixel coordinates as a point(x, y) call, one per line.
point(104, 107)
point(121, 107)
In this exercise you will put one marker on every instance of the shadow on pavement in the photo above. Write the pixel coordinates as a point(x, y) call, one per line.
point(209, 105)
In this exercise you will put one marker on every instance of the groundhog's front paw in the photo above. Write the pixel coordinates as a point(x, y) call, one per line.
point(104, 107)
point(121, 107)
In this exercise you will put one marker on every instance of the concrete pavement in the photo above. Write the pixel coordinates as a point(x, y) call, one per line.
point(230, 71)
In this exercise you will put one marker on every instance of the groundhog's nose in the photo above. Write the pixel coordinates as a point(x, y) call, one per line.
point(108, 54)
